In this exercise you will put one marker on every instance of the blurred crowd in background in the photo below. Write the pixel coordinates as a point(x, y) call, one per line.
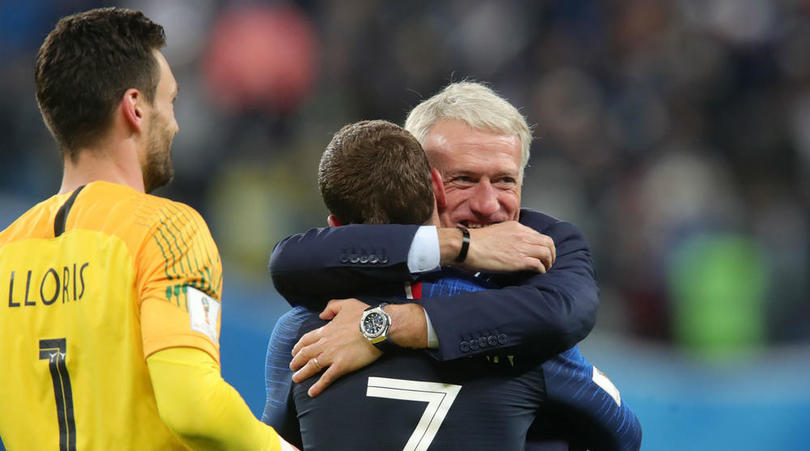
point(676, 134)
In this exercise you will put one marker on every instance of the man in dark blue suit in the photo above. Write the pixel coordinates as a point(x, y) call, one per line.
point(479, 145)
point(485, 402)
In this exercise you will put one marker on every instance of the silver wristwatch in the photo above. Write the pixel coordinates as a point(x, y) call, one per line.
point(374, 325)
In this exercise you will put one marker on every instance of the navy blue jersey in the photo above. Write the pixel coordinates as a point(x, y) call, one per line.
point(584, 407)
point(407, 400)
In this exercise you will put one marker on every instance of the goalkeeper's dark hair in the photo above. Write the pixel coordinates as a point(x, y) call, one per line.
point(86, 64)
point(375, 172)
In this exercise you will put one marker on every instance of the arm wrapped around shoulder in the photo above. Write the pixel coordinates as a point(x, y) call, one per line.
point(201, 408)
point(311, 268)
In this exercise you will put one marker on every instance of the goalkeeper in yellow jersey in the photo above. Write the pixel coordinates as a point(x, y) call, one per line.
point(110, 297)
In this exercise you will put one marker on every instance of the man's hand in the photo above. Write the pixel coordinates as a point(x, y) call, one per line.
point(339, 346)
point(504, 247)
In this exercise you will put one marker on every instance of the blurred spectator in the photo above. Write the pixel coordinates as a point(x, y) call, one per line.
point(676, 133)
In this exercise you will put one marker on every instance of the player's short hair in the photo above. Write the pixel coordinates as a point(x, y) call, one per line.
point(375, 172)
point(477, 106)
point(86, 64)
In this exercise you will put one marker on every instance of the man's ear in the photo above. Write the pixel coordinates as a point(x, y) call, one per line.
point(132, 109)
point(333, 221)
point(438, 188)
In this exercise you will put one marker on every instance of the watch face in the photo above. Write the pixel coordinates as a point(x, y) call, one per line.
point(374, 324)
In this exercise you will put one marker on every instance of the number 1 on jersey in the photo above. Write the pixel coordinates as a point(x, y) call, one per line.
point(439, 397)
point(54, 352)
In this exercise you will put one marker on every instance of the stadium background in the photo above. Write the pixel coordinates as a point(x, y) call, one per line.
point(675, 133)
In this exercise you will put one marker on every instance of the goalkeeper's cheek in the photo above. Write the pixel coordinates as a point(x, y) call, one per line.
point(200, 407)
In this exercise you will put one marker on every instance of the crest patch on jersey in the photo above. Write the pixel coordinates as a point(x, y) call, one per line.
point(204, 313)
point(602, 380)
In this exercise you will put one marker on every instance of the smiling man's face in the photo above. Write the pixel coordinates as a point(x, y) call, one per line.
point(481, 172)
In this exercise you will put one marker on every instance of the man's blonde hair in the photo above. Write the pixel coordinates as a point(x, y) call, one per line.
point(477, 106)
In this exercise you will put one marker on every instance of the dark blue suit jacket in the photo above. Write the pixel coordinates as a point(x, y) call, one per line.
point(548, 313)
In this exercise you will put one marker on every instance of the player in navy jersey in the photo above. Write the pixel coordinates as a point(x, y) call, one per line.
point(490, 400)
point(406, 400)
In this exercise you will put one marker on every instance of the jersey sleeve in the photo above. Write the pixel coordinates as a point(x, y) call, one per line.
point(279, 408)
point(180, 282)
point(201, 408)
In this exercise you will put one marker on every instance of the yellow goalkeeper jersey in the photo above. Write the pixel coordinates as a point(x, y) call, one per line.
point(91, 283)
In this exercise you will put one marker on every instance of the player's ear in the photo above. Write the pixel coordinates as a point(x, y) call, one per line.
point(132, 108)
point(333, 221)
point(438, 188)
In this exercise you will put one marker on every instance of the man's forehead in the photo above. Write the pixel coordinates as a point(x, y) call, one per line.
point(166, 75)
point(492, 166)
point(453, 134)
point(485, 141)
point(500, 151)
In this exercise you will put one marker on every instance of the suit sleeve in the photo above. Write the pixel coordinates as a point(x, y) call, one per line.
point(311, 268)
point(545, 313)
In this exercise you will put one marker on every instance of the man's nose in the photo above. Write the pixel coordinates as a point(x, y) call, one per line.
point(484, 200)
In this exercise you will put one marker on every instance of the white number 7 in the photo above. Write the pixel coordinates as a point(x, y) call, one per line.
point(439, 397)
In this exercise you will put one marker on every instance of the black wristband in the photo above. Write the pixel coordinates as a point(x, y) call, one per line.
point(465, 243)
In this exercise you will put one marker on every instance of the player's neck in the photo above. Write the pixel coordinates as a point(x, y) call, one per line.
point(114, 164)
